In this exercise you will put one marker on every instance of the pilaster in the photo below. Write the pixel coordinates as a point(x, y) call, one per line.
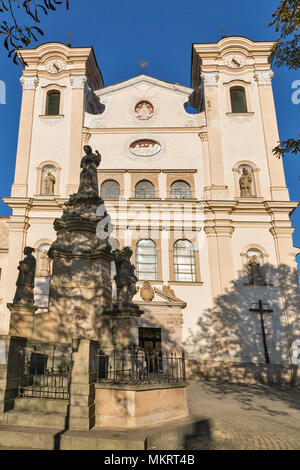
point(29, 84)
point(77, 83)
point(278, 187)
point(213, 153)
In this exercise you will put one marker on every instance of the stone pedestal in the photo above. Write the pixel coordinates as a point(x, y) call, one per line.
point(82, 388)
point(80, 288)
point(120, 328)
point(21, 320)
point(132, 406)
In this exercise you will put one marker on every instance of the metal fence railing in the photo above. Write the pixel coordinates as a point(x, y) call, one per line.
point(45, 371)
point(134, 366)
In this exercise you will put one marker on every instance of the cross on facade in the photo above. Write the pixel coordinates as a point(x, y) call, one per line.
point(143, 64)
point(69, 37)
point(261, 310)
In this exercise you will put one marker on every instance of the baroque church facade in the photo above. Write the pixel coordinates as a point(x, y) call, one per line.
point(199, 197)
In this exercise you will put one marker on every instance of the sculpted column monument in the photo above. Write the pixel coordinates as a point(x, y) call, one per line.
point(80, 287)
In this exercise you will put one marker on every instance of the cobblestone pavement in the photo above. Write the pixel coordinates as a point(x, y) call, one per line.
point(247, 417)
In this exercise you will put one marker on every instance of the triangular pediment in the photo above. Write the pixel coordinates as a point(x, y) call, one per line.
point(144, 83)
point(169, 297)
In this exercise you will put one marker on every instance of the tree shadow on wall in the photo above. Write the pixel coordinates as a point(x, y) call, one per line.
point(232, 334)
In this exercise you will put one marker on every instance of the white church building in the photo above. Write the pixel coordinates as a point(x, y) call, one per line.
point(200, 197)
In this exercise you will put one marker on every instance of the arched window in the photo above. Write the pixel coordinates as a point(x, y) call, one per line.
point(110, 188)
point(146, 260)
point(238, 100)
point(144, 190)
point(255, 265)
point(53, 103)
point(180, 190)
point(184, 261)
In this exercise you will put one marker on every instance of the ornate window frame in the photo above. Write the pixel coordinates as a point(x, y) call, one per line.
point(247, 88)
point(198, 281)
point(39, 179)
point(255, 171)
point(140, 175)
point(113, 180)
point(188, 187)
point(157, 258)
point(181, 175)
point(46, 89)
point(116, 175)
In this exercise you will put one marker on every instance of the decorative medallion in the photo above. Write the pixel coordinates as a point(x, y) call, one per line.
point(147, 293)
point(145, 148)
point(144, 110)
point(235, 61)
point(55, 66)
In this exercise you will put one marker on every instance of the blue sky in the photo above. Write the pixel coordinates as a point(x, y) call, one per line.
point(123, 32)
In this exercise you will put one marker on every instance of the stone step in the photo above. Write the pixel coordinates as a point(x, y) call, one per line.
point(41, 419)
point(172, 436)
point(21, 437)
point(41, 405)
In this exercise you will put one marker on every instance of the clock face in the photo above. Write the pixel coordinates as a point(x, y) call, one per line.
point(55, 66)
point(235, 61)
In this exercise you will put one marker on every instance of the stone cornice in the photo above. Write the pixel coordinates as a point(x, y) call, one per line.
point(142, 130)
point(281, 206)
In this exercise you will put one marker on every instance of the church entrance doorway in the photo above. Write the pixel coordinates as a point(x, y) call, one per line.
point(150, 342)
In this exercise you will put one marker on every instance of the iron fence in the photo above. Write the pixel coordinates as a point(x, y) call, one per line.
point(45, 371)
point(137, 366)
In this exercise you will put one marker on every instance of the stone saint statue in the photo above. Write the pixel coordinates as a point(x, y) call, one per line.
point(246, 183)
point(49, 184)
point(125, 277)
point(88, 175)
point(255, 270)
point(44, 264)
point(25, 281)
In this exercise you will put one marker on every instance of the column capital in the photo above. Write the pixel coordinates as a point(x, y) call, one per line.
point(203, 136)
point(78, 81)
point(210, 78)
point(263, 77)
point(29, 83)
point(221, 231)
